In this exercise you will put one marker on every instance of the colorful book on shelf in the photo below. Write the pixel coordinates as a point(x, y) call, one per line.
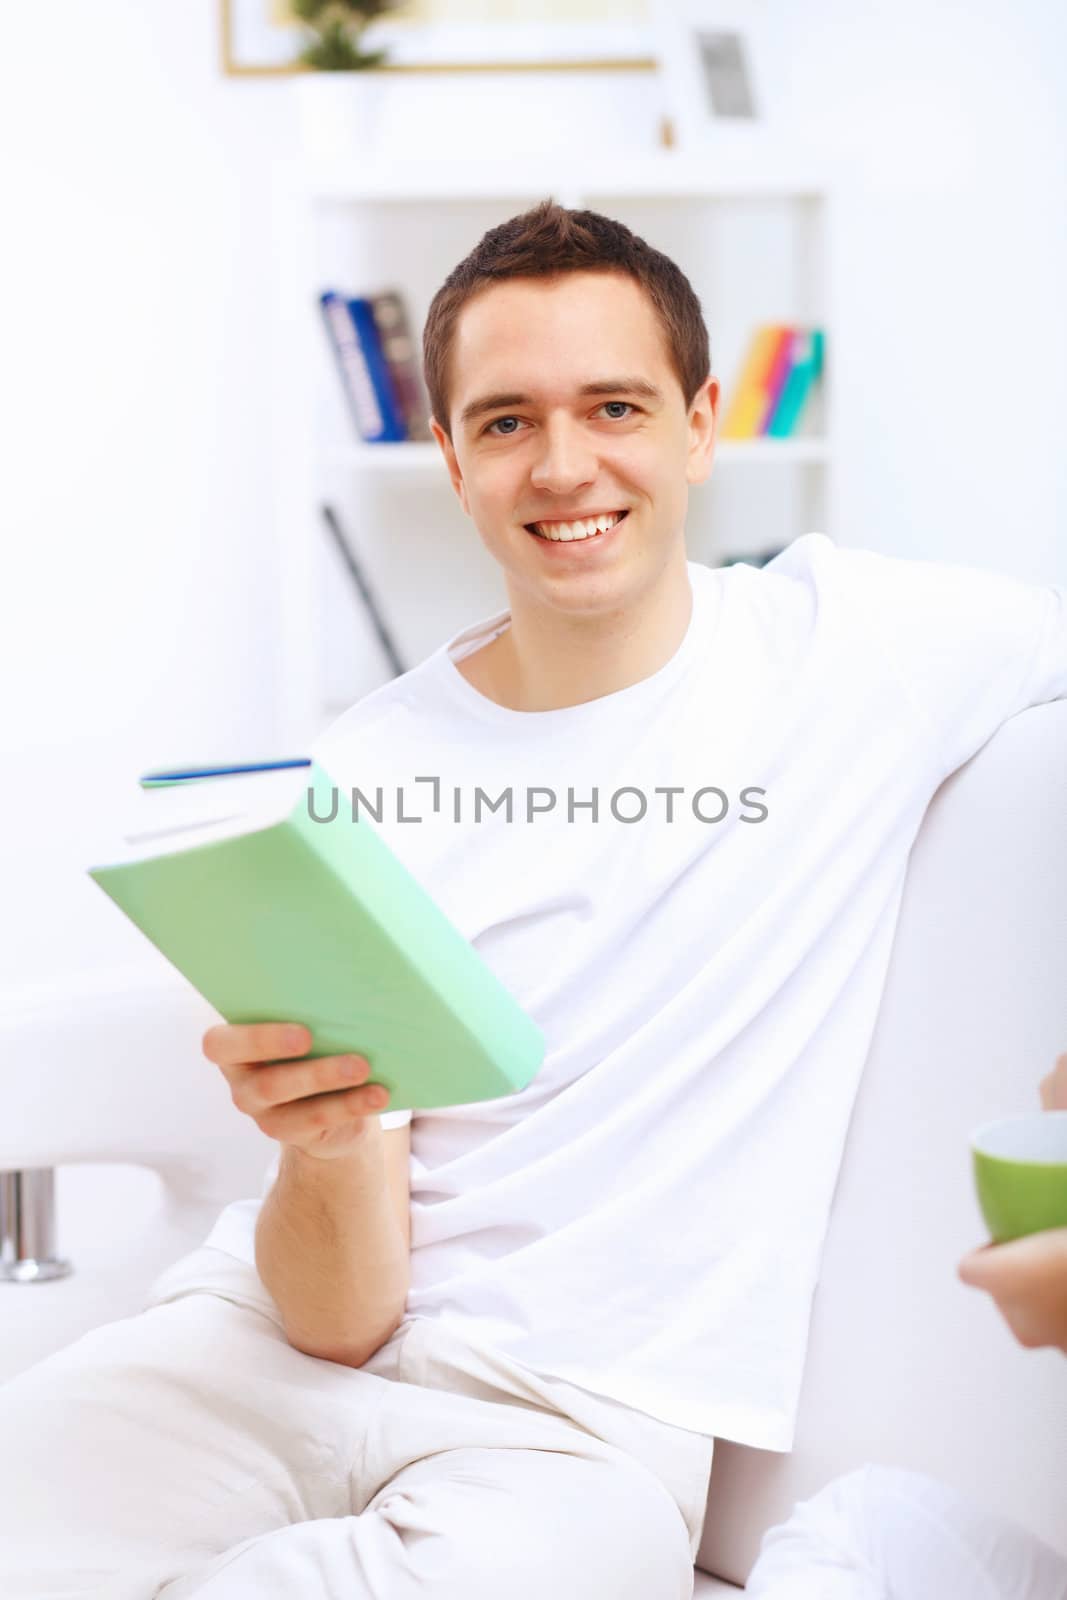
point(363, 368)
point(398, 347)
point(781, 365)
point(804, 372)
point(278, 904)
point(748, 404)
point(362, 314)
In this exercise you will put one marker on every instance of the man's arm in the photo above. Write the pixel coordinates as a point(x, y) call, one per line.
point(333, 1234)
point(333, 1245)
point(970, 647)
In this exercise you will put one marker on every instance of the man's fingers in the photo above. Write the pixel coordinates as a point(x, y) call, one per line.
point(311, 1121)
point(234, 1045)
point(257, 1088)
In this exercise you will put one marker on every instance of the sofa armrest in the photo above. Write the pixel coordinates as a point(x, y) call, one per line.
point(907, 1366)
point(107, 1067)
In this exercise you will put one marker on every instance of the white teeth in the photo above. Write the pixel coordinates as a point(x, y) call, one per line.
point(562, 532)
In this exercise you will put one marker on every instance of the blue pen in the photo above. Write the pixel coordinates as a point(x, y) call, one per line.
point(156, 780)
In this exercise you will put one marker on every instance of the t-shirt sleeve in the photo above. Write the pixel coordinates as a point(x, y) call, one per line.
point(394, 1119)
point(971, 647)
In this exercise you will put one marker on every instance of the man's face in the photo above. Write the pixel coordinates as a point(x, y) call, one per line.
point(544, 451)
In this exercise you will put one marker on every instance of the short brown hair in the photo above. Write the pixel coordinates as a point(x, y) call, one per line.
point(549, 240)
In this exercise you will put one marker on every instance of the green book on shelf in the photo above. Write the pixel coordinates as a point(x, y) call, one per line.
point(278, 906)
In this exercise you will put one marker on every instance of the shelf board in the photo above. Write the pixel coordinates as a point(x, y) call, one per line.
point(426, 457)
point(658, 175)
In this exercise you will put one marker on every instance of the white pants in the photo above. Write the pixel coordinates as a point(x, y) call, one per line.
point(885, 1534)
point(189, 1450)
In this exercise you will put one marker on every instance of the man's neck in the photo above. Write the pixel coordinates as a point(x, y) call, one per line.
point(545, 661)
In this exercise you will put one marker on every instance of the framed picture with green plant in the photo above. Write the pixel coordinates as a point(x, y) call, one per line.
point(269, 37)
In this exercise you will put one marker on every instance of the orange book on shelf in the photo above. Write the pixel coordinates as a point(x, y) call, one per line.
point(782, 363)
point(748, 405)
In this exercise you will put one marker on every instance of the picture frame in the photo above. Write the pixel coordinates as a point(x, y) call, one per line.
point(257, 40)
point(712, 58)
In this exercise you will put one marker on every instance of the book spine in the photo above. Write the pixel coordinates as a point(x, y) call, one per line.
point(781, 366)
point(352, 366)
point(798, 388)
point(187, 775)
point(746, 409)
point(394, 331)
point(393, 428)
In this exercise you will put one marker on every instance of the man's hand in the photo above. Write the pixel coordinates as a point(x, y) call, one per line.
point(320, 1107)
point(1028, 1277)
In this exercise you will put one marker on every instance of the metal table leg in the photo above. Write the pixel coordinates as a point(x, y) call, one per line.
point(27, 1227)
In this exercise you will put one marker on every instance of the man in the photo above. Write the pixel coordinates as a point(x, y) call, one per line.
point(672, 807)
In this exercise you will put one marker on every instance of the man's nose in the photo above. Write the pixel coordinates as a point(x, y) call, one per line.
point(564, 458)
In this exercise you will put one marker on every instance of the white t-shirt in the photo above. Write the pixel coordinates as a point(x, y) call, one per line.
point(646, 1219)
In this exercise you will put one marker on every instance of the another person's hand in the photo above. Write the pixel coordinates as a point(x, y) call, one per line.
point(1028, 1280)
point(321, 1107)
point(1028, 1277)
point(1054, 1087)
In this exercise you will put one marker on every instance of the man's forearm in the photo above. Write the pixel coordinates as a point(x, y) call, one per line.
point(329, 1249)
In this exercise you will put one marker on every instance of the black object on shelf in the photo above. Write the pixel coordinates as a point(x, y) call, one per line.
point(370, 605)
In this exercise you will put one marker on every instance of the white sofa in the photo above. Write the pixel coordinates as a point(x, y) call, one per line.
point(906, 1366)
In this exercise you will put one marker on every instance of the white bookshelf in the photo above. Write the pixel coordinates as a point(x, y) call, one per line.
point(753, 240)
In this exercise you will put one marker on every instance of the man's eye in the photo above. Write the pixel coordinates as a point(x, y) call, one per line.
point(490, 426)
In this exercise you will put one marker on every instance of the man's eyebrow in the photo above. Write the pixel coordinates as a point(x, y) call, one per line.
point(631, 385)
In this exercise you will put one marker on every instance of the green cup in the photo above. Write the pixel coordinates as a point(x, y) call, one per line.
point(1020, 1172)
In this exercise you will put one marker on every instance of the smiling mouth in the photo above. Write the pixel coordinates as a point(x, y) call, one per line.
point(582, 538)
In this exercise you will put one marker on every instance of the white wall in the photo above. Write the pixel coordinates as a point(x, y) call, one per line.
point(134, 503)
point(949, 121)
point(134, 500)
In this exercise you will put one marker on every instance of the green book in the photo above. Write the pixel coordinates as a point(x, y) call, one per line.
point(278, 906)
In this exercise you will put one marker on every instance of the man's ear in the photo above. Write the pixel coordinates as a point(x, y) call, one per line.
point(451, 463)
point(703, 429)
